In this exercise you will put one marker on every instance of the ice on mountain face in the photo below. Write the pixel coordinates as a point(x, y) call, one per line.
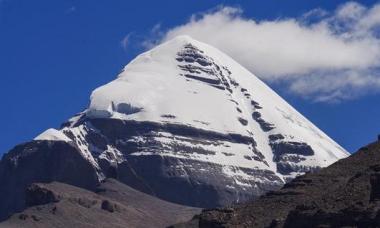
point(189, 114)
point(53, 135)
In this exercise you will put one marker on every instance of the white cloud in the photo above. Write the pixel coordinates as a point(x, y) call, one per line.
point(325, 56)
point(335, 87)
point(351, 10)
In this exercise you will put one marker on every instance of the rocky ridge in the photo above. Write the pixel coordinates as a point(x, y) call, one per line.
point(345, 194)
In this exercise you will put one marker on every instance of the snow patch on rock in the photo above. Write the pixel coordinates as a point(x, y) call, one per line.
point(52, 134)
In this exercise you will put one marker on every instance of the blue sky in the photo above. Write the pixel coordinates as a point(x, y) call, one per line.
point(54, 53)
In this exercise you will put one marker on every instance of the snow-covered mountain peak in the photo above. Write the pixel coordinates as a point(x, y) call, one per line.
point(187, 115)
point(188, 82)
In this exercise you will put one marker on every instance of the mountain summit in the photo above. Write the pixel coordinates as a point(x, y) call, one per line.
point(183, 122)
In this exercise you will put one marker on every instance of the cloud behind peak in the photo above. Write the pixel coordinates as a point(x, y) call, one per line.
point(325, 56)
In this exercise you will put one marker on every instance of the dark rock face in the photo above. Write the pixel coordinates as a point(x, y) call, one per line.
point(255, 105)
point(283, 148)
point(208, 72)
point(287, 154)
point(170, 178)
point(345, 194)
point(168, 181)
point(40, 161)
point(265, 126)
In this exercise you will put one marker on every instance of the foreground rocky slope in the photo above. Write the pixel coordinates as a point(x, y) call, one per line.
point(114, 204)
point(345, 194)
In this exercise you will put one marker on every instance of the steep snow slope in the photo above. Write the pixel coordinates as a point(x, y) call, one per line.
point(187, 123)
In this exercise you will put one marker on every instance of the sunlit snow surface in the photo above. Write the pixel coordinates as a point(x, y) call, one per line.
point(53, 135)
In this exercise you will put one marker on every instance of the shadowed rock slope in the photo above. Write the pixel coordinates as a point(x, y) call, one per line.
point(345, 194)
point(41, 161)
point(113, 204)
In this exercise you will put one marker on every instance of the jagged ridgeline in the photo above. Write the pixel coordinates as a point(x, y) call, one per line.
point(183, 122)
